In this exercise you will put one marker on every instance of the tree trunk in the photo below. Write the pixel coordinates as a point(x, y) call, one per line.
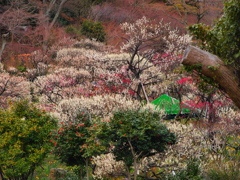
point(87, 169)
point(4, 42)
point(213, 67)
point(50, 25)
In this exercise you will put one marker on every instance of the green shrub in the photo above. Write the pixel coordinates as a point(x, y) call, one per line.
point(228, 167)
point(70, 141)
point(24, 141)
point(133, 135)
point(72, 30)
point(22, 68)
point(75, 143)
point(93, 30)
point(43, 171)
point(218, 174)
point(192, 172)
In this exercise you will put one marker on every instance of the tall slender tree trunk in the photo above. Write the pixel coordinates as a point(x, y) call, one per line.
point(87, 168)
point(144, 92)
point(135, 165)
point(4, 42)
point(49, 26)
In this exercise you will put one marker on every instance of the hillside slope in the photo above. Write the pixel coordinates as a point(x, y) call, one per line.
point(112, 14)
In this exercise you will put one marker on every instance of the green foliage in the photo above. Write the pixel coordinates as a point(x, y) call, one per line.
point(232, 148)
point(74, 142)
point(44, 171)
point(72, 172)
point(192, 172)
point(218, 174)
point(22, 68)
point(141, 131)
point(205, 84)
point(24, 142)
point(93, 30)
point(223, 39)
point(72, 31)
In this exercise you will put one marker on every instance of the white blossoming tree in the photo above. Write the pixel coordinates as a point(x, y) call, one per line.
point(153, 48)
point(61, 83)
point(12, 88)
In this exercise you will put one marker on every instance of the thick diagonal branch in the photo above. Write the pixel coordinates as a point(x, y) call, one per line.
point(213, 67)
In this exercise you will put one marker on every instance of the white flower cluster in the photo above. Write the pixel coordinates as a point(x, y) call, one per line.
point(149, 39)
point(74, 52)
point(63, 43)
point(89, 44)
point(13, 87)
point(62, 83)
point(99, 105)
point(191, 144)
point(107, 166)
point(78, 75)
point(78, 57)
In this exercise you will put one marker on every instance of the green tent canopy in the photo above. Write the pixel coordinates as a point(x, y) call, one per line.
point(169, 104)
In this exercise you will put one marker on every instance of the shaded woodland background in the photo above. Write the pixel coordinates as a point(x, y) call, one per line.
point(33, 27)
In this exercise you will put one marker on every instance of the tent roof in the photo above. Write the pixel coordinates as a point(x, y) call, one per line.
point(169, 104)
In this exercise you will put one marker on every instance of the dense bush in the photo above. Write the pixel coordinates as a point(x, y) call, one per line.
point(72, 31)
point(75, 142)
point(134, 135)
point(70, 140)
point(192, 171)
point(24, 141)
point(93, 30)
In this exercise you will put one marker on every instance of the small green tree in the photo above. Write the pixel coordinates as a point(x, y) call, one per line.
point(134, 135)
point(223, 39)
point(24, 141)
point(75, 142)
point(93, 30)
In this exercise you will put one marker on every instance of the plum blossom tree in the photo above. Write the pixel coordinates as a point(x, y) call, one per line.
point(99, 105)
point(62, 83)
point(153, 48)
point(105, 66)
point(13, 87)
point(119, 72)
